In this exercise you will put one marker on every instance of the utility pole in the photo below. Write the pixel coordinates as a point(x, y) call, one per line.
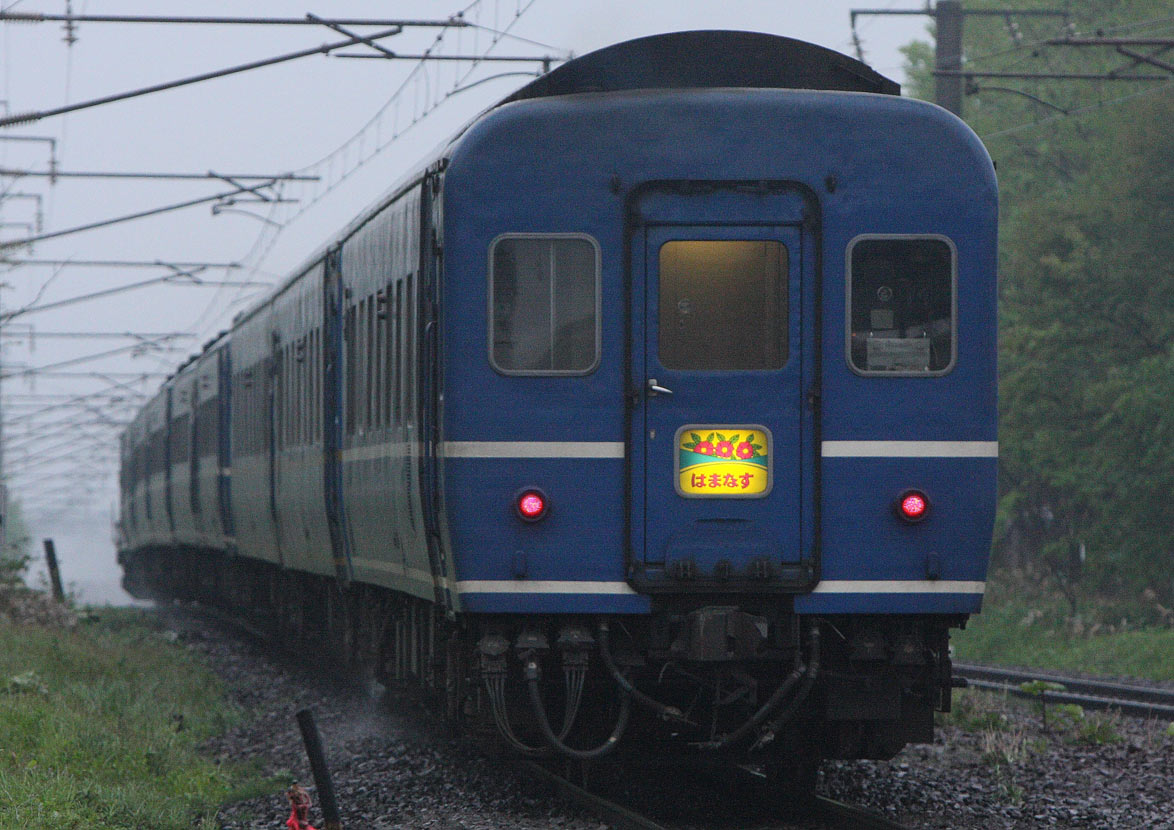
point(948, 15)
point(3, 477)
point(947, 91)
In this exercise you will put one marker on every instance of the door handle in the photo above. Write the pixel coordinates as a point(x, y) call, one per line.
point(654, 389)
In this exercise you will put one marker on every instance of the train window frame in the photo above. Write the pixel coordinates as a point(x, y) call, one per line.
point(397, 353)
point(598, 327)
point(408, 309)
point(382, 322)
point(903, 373)
point(673, 351)
point(369, 368)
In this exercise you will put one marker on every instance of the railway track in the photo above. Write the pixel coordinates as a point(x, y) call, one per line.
point(828, 813)
point(1138, 701)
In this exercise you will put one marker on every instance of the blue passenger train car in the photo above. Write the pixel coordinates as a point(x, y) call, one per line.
point(673, 374)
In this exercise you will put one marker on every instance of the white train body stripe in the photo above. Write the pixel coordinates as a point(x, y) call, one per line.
point(533, 449)
point(910, 449)
point(831, 586)
point(615, 449)
point(898, 586)
point(528, 586)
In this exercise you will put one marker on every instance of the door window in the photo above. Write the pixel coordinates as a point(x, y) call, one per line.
point(723, 305)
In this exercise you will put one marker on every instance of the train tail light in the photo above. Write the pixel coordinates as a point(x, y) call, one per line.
point(531, 505)
point(912, 506)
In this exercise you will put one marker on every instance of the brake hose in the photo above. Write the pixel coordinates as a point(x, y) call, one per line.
point(613, 740)
point(665, 711)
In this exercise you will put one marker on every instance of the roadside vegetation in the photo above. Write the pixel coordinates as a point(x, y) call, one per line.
point(101, 719)
point(1036, 628)
point(1083, 536)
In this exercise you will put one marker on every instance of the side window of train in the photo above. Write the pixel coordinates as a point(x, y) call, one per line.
point(316, 386)
point(349, 378)
point(408, 318)
point(902, 305)
point(381, 323)
point(544, 304)
point(372, 370)
point(398, 351)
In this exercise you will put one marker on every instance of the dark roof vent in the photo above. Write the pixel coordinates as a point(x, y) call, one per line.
point(683, 60)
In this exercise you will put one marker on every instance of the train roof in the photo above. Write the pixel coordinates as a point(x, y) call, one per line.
point(706, 59)
point(702, 59)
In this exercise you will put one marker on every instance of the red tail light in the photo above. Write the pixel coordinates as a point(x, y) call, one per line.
point(913, 506)
point(531, 505)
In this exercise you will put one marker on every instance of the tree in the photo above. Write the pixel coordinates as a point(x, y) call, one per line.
point(1086, 301)
point(14, 555)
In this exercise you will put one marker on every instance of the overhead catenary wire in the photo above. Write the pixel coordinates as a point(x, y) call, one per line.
point(171, 279)
point(119, 263)
point(104, 223)
point(115, 174)
point(309, 20)
point(24, 118)
point(80, 430)
point(82, 472)
point(41, 416)
point(345, 169)
point(143, 336)
point(31, 399)
point(1077, 111)
point(144, 376)
point(40, 426)
point(268, 236)
point(74, 361)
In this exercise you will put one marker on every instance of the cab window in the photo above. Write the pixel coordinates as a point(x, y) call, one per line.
point(544, 304)
point(901, 305)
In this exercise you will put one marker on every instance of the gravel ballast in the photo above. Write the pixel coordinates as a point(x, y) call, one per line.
point(396, 765)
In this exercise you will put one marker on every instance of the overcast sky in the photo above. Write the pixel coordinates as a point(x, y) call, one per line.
point(290, 117)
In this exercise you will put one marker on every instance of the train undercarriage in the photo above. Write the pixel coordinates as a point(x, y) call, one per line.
point(700, 677)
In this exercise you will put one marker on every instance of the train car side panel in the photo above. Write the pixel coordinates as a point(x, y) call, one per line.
point(252, 413)
point(179, 455)
point(157, 528)
point(380, 264)
point(909, 380)
point(205, 467)
point(299, 498)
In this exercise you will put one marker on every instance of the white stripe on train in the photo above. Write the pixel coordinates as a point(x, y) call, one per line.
point(910, 449)
point(615, 449)
point(830, 586)
point(586, 587)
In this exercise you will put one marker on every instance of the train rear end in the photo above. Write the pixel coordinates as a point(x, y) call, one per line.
point(719, 417)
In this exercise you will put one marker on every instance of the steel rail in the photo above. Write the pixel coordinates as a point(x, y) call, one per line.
point(859, 818)
point(827, 810)
point(618, 816)
point(834, 813)
point(1139, 701)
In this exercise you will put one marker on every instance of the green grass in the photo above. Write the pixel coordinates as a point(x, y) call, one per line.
point(1001, 722)
point(99, 728)
point(1030, 628)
